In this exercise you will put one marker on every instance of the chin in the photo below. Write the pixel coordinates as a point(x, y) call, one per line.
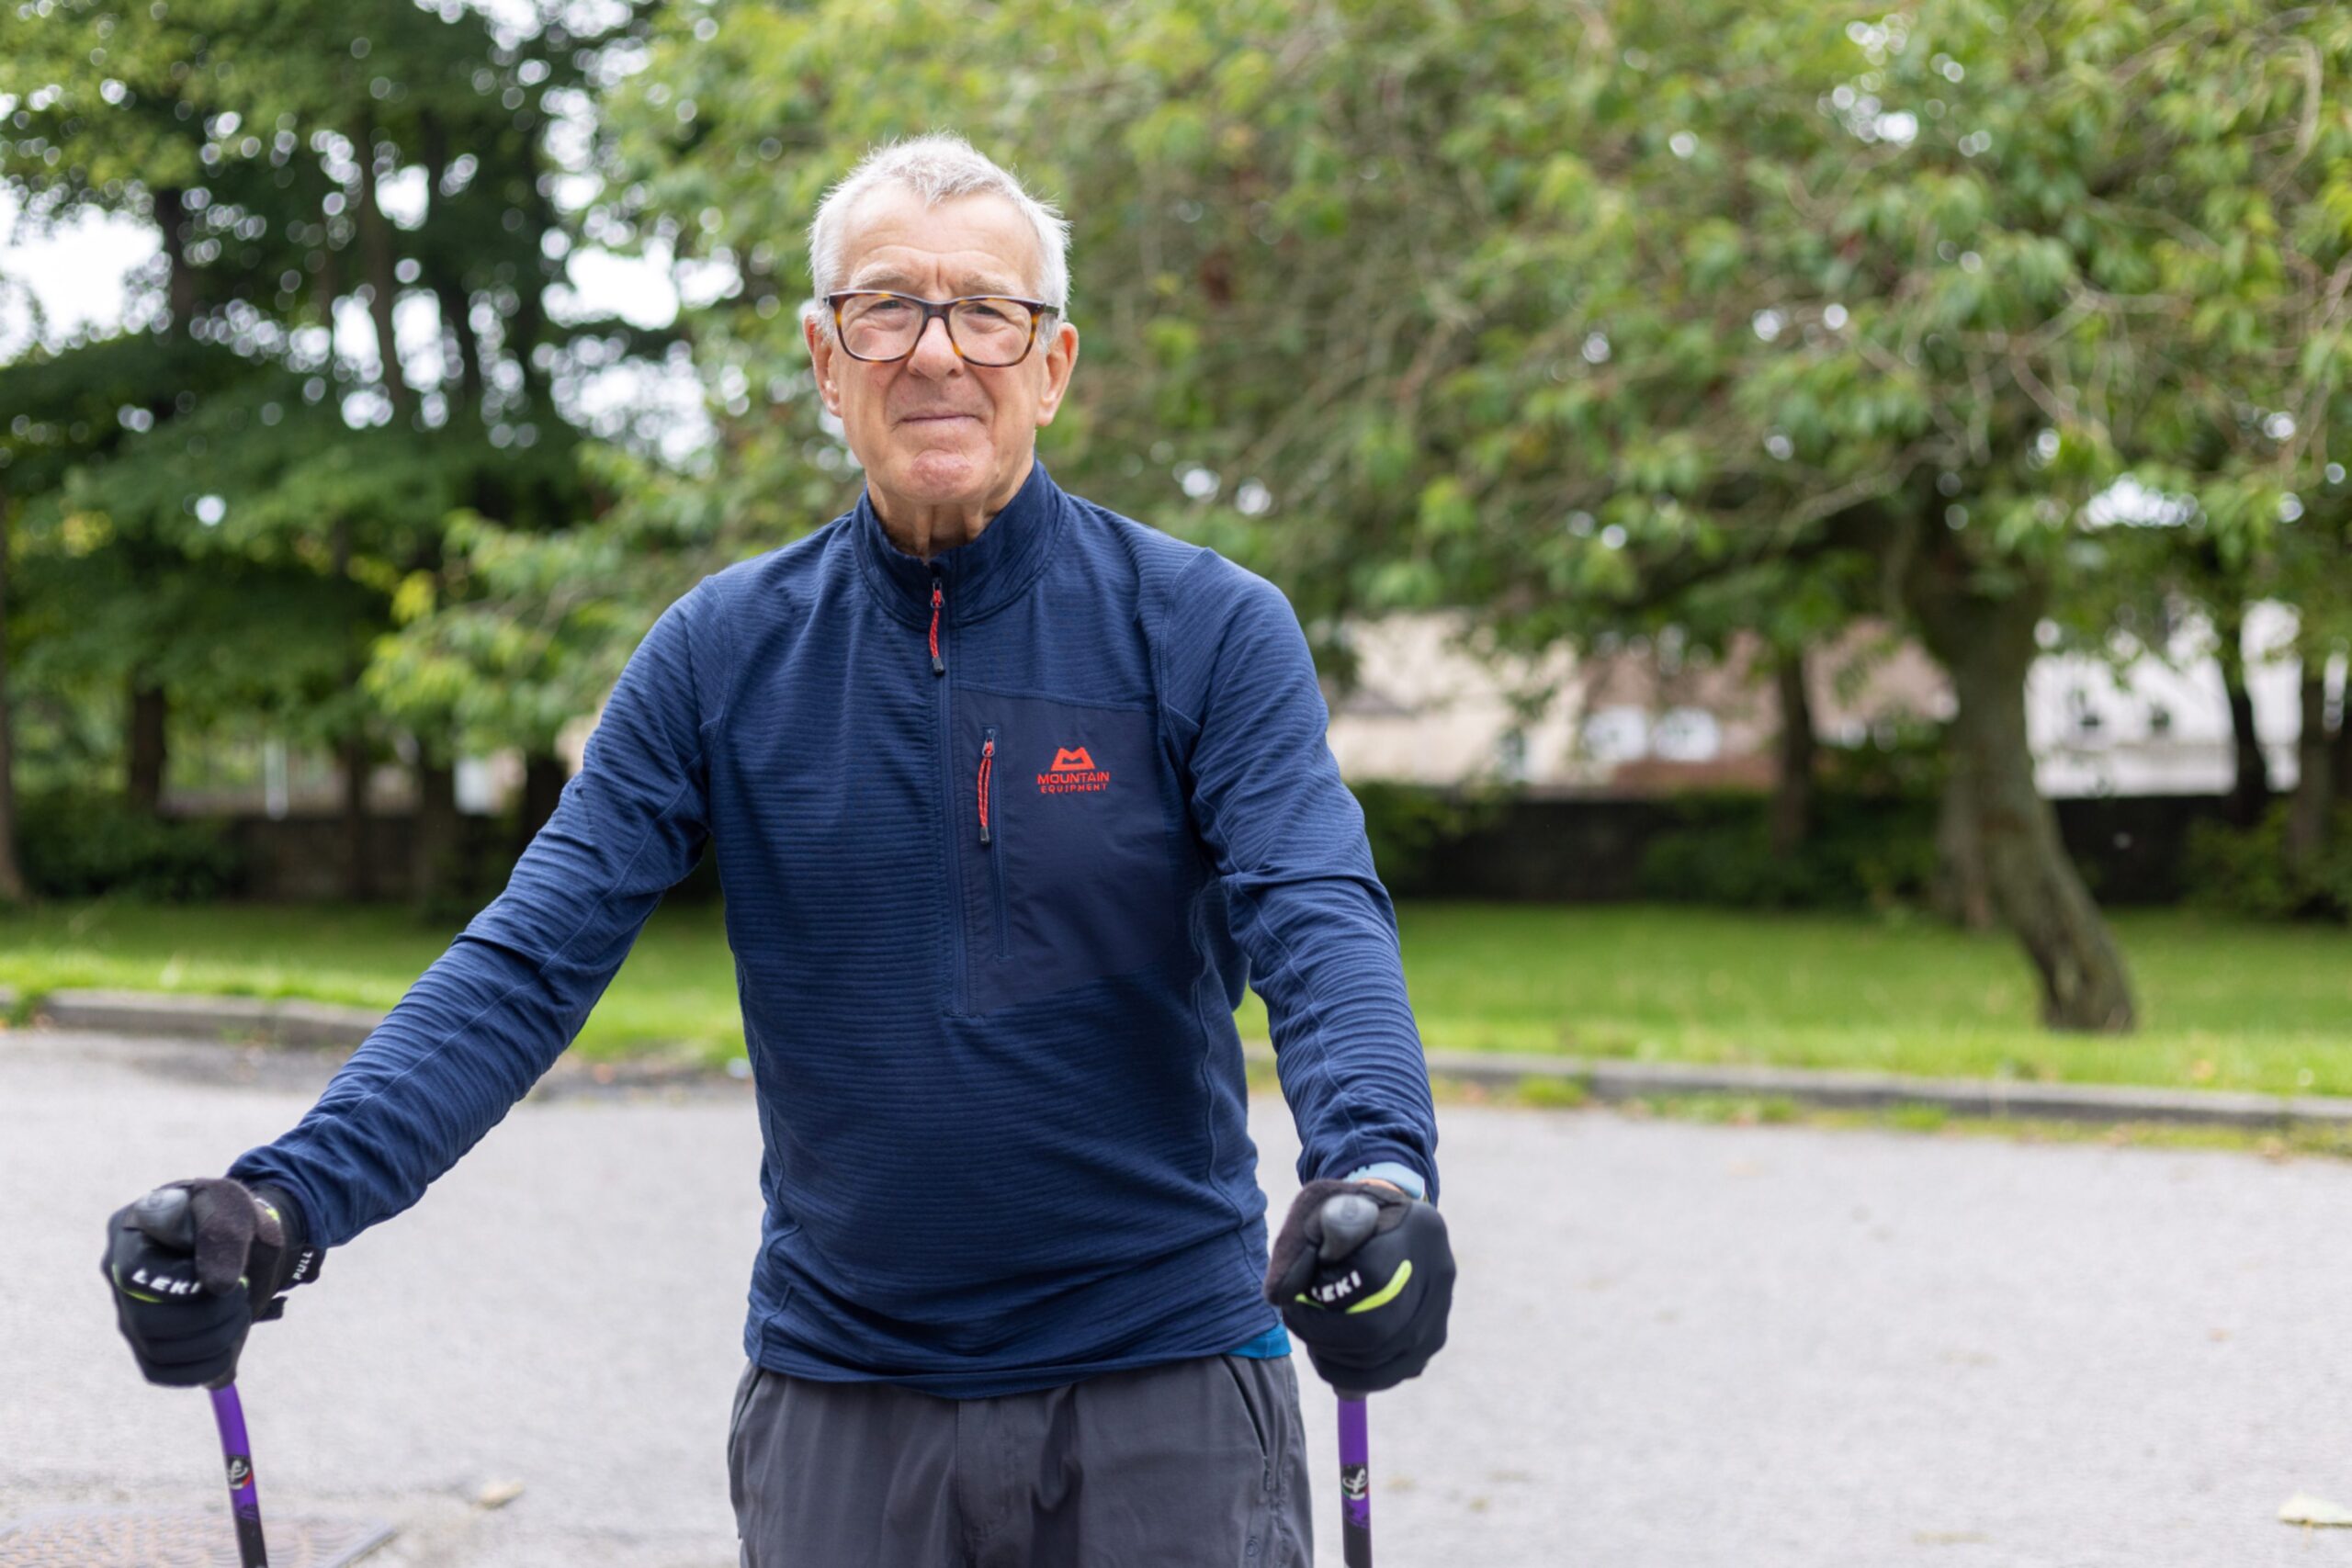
point(943, 476)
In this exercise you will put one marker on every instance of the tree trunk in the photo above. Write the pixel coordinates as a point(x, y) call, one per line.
point(2340, 769)
point(1960, 894)
point(457, 314)
point(145, 744)
point(2250, 788)
point(2314, 797)
point(378, 263)
point(326, 290)
point(524, 328)
point(358, 826)
point(543, 781)
point(467, 374)
point(358, 830)
point(435, 855)
point(12, 877)
point(179, 287)
point(1986, 644)
point(529, 325)
point(1793, 780)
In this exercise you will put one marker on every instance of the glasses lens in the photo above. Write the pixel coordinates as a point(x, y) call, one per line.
point(879, 326)
point(991, 332)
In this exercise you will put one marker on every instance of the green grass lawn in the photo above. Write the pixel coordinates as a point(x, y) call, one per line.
point(2224, 1004)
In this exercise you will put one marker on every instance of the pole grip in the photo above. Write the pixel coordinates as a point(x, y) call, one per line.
point(1349, 1220)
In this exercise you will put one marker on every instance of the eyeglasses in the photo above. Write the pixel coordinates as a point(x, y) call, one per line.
point(984, 329)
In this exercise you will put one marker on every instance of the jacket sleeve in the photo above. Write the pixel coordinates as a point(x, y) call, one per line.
point(1288, 841)
point(493, 1013)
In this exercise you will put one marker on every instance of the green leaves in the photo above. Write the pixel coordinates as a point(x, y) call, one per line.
point(1758, 291)
point(234, 497)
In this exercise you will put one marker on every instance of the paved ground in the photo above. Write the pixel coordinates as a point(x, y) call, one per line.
point(1676, 1345)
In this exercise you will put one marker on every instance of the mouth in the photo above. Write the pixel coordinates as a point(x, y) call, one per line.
point(943, 418)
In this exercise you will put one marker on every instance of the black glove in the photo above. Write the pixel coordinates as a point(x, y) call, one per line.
point(1373, 1314)
point(192, 1264)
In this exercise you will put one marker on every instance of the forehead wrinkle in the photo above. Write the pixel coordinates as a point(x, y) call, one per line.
point(895, 278)
point(898, 232)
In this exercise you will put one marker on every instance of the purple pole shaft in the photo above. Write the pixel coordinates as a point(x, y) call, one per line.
point(1355, 1485)
point(236, 1453)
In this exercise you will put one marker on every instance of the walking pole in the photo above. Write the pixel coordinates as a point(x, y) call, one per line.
point(1355, 1484)
point(229, 1415)
point(1348, 1220)
point(163, 1215)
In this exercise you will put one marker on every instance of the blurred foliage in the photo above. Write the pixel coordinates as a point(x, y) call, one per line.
point(77, 844)
point(1868, 852)
point(2249, 871)
point(1552, 314)
point(1542, 312)
point(1547, 312)
point(1406, 825)
point(344, 343)
point(1906, 757)
point(1595, 319)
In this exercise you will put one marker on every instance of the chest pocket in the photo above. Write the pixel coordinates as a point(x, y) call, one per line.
point(1072, 858)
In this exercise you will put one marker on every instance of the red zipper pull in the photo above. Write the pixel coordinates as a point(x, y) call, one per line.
point(938, 598)
point(988, 762)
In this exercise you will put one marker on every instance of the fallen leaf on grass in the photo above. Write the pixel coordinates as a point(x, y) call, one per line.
point(2303, 1508)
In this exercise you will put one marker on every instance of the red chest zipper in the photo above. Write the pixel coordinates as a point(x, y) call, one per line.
point(992, 835)
point(938, 599)
point(988, 765)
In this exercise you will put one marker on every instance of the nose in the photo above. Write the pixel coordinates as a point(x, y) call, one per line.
point(934, 353)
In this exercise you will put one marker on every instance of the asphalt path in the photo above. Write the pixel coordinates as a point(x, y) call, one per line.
point(1674, 1344)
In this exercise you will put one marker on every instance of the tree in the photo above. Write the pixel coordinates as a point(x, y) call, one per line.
point(13, 889)
point(374, 366)
point(2314, 574)
point(1916, 292)
point(1608, 316)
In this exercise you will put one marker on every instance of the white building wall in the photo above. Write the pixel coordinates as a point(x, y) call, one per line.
point(1425, 709)
point(2151, 726)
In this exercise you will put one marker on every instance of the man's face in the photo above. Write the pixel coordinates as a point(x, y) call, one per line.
point(933, 431)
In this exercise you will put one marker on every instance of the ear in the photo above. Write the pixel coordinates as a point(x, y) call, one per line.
point(822, 351)
point(1062, 359)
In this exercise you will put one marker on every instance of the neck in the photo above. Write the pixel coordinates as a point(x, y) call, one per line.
point(924, 529)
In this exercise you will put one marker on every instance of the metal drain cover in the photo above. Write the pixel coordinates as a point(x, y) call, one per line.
point(147, 1537)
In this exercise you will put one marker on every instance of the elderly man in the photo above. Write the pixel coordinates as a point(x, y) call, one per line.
point(1009, 795)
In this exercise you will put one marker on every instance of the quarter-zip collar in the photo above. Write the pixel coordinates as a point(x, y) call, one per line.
point(979, 578)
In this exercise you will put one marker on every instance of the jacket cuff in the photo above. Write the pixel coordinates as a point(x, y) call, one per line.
point(298, 1260)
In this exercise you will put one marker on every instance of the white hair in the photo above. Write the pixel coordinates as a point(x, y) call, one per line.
point(935, 168)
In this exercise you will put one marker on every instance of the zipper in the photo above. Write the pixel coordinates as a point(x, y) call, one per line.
point(988, 765)
point(959, 989)
point(938, 602)
point(993, 841)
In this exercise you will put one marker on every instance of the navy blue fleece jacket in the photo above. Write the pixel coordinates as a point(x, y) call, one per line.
point(1002, 834)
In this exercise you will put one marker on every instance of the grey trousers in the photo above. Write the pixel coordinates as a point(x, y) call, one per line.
point(1194, 1463)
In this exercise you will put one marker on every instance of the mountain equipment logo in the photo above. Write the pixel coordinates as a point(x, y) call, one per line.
point(1073, 772)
